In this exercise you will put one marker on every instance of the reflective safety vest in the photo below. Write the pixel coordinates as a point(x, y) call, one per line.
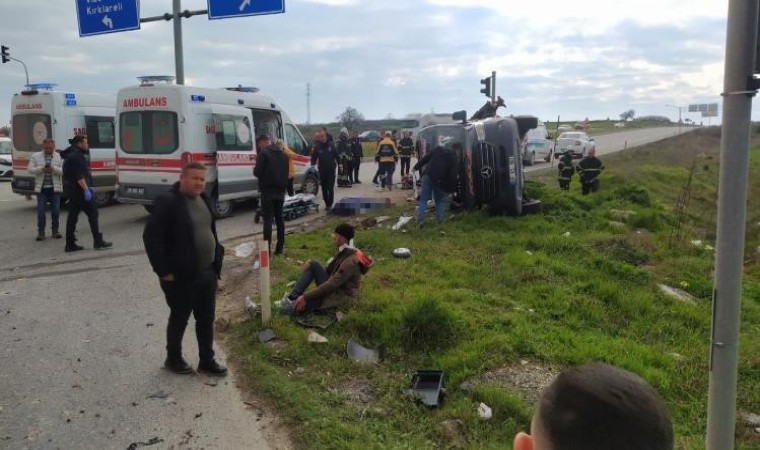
point(566, 168)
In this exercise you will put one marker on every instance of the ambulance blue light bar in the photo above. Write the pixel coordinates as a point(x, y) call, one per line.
point(197, 98)
point(45, 86)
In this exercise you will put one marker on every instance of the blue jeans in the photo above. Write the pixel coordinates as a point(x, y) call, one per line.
point(48, 195)
point(429, 189)
point(386, 172)
point(316, 273)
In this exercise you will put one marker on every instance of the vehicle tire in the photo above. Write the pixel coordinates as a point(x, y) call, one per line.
point(148, 208)
point(310, 185)
point(531, 161)
point(221, 209)
point(102, 199)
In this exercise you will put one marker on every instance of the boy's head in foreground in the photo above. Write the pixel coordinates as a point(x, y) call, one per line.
point(595, 407)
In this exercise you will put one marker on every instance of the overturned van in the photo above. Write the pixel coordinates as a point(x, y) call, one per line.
point(490, 161)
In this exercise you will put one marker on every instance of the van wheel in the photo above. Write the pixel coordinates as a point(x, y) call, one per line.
point(531, 159)
point(221, 209)
point(310, 185)
point(102, 199)
point(148, 208)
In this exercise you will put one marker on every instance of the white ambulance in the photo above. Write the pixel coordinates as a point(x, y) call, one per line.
point(162, 126)
point(41, 112)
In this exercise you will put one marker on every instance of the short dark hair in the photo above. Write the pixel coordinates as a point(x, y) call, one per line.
point(77, 139)
point(598, 406)
point(192, 165)
point(48, 139)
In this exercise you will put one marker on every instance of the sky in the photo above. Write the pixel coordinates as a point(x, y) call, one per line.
point(574, 59)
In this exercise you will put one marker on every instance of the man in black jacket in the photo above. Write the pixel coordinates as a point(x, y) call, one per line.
point(438, 181)
point(325, 157)
point(77, 187)
point(358, 153)
point(272, 171)
point(182, 246)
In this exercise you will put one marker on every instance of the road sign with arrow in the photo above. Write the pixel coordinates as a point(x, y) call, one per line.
point(107, 16)
point(224, 9)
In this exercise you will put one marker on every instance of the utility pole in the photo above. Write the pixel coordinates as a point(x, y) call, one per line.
point(739, 87)
point(308, 103)
point(493, 89)
point(679, 108)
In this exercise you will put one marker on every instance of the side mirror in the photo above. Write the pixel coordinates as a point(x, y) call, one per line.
point(460, 116)
point(591, 139)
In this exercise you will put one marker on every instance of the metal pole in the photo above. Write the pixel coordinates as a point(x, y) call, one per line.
point(308, 103)
point(741, 44)
point(179, 58)
point(25, 69)
point(493, 87)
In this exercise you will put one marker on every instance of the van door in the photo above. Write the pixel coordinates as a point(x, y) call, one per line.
point(235, 152)
point(102, 142)
point(297, 143)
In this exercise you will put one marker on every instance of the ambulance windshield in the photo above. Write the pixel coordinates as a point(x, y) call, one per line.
point(5, 147)
point(267, 122)
point(30, 130)
point(148, 132)
point(441, 136)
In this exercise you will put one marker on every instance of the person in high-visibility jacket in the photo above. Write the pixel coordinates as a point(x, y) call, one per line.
point(386, 156)
point(291, 166)
point(566, 170)
point(589, 169)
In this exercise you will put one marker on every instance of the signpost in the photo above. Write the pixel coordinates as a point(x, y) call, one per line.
point(107, 16)
point(224, 9)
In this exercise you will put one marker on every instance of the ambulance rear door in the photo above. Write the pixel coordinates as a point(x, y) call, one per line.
point(235, 152)
point(33, 118)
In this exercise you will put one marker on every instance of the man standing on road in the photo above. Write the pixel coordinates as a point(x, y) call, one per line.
point(566, 170)
point(386, 156)
point(589, 169)
point(47, 169)
point(77, 182)
point(272, 171)
point(324, 156)
point(184, 251)
point(358, 153)
point(345, 159)
point(405, 150)
point(438, 181)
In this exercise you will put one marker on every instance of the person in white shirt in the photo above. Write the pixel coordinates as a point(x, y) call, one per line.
point(47, 167)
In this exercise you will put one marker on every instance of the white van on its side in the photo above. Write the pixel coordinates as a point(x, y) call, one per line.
point(161, 127)
point(40, 113)
point(536, 144)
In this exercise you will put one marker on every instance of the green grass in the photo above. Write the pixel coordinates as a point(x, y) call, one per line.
point(505, 289)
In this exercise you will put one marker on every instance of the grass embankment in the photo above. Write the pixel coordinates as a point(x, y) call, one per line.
point(490, 299)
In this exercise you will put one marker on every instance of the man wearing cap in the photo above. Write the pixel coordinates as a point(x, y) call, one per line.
point(338, 284)
point(77, 187)
point(272, 171)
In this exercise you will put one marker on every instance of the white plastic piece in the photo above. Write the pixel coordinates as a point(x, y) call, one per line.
point(316, 338)
point(244, 250)
point(403, 220)
point(484, 411)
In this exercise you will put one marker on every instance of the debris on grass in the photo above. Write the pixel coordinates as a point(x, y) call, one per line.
point(402, 253)
point(525, 378)
point(403, 220)
point(159, 395)
point(316, 338)
point(678, 294)
point(267, 335)
point(360, 353)
point(484, 411)
point(244, 250)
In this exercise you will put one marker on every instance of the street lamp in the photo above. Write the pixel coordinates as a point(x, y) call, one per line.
point(679, 108)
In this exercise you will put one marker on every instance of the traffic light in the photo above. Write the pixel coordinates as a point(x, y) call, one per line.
point(6, 54)
point(487, 89)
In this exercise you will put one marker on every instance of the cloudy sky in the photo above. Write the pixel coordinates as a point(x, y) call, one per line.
point(577, 59)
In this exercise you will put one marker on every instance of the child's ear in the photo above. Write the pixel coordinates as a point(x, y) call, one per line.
point(523, 441)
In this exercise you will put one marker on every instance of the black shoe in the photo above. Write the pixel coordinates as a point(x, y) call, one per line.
point(178, 365)
point(101, 244)
point(279, 251)
point(212, 368)
point(40, 236)
point(73, 248)
point(56, 234)
point(357, 182)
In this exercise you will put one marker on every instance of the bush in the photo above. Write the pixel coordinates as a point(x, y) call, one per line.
point(426, 325)
point(634, 194)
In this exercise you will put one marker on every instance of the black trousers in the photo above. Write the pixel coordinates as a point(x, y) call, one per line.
point(271, 209)
point(564, 184)
point(199, 298)
point(291, 191)
point(357, 166)
point(406, 164)
point(76, 205)
point(327, 183)
point(590, 186)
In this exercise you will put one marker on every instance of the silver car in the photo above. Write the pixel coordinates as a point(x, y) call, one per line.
point(578, 141)
point(6, 159)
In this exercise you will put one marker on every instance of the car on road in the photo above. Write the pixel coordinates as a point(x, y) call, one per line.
point(536, 144)
point(578, 141)
point(563, 128)
point(6, 159)
point(369, 136)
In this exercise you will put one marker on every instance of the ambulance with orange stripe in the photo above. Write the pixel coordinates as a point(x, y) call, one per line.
point(41, 112)
point(162, 126)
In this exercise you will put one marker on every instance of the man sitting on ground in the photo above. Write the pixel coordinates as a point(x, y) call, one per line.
point(598, 407)
point(338, 284)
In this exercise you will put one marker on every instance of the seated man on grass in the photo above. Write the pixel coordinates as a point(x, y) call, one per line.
point(338, 284)
point(598, 407)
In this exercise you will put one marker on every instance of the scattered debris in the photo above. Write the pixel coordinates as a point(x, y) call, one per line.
point(567, 234)
point(402, 253)
point(362, 354)
point(528, 379)
point(749, 418)
point(316, 338)
point(291, 284)
point(403, 220)
point(484, 411)
point(267, 335)
point(429, 385)
point(339, 316)
point(245, 250)
point(677, 294)
point(159, 395)
point(211, 383)
point(454, 432)
point(252, 309)
point(528, 252)
point(198, 416)
point(709, 247)
point(152, 441)
point(256, 265)
point(300, 371)
point(149, 324)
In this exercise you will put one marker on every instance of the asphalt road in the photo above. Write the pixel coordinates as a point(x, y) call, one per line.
point(83, 336)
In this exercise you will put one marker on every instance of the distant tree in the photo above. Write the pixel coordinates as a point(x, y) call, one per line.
point(628, 115)
point(351, 118)
point(662, 119)
point(5, 131)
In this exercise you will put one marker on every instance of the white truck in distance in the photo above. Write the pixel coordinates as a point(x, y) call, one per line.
point(162, 126)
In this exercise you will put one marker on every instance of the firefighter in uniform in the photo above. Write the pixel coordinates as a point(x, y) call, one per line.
point(589, 170)
point(405, 150)
point(345, 160)
point(386, 156)
point(566, 169)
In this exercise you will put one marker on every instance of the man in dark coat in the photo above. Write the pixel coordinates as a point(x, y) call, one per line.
point(184, 251)
point(589, 169)
point(272, 171)
point(325, 157)
point(405, 151)
point(358, 153)
point(566, 170)
point(438, 181)
point(77, 187)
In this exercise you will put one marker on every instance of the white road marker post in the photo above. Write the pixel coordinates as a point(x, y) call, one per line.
point(264, 287)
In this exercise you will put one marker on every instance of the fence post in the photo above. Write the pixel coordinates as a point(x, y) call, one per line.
point(264, 287)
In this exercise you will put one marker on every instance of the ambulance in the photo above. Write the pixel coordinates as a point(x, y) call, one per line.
point(162, 126)
point(41, 112)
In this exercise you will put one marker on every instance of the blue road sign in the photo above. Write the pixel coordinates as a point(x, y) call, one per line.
point(107, 16)
point(224, 9)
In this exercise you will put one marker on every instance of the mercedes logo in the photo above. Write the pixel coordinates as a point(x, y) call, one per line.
point(486, 172)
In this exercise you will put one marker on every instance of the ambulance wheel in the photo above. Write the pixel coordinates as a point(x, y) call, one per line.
point(102, 199)
point(310, 185)
point(148, 208)
point(221, 209)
